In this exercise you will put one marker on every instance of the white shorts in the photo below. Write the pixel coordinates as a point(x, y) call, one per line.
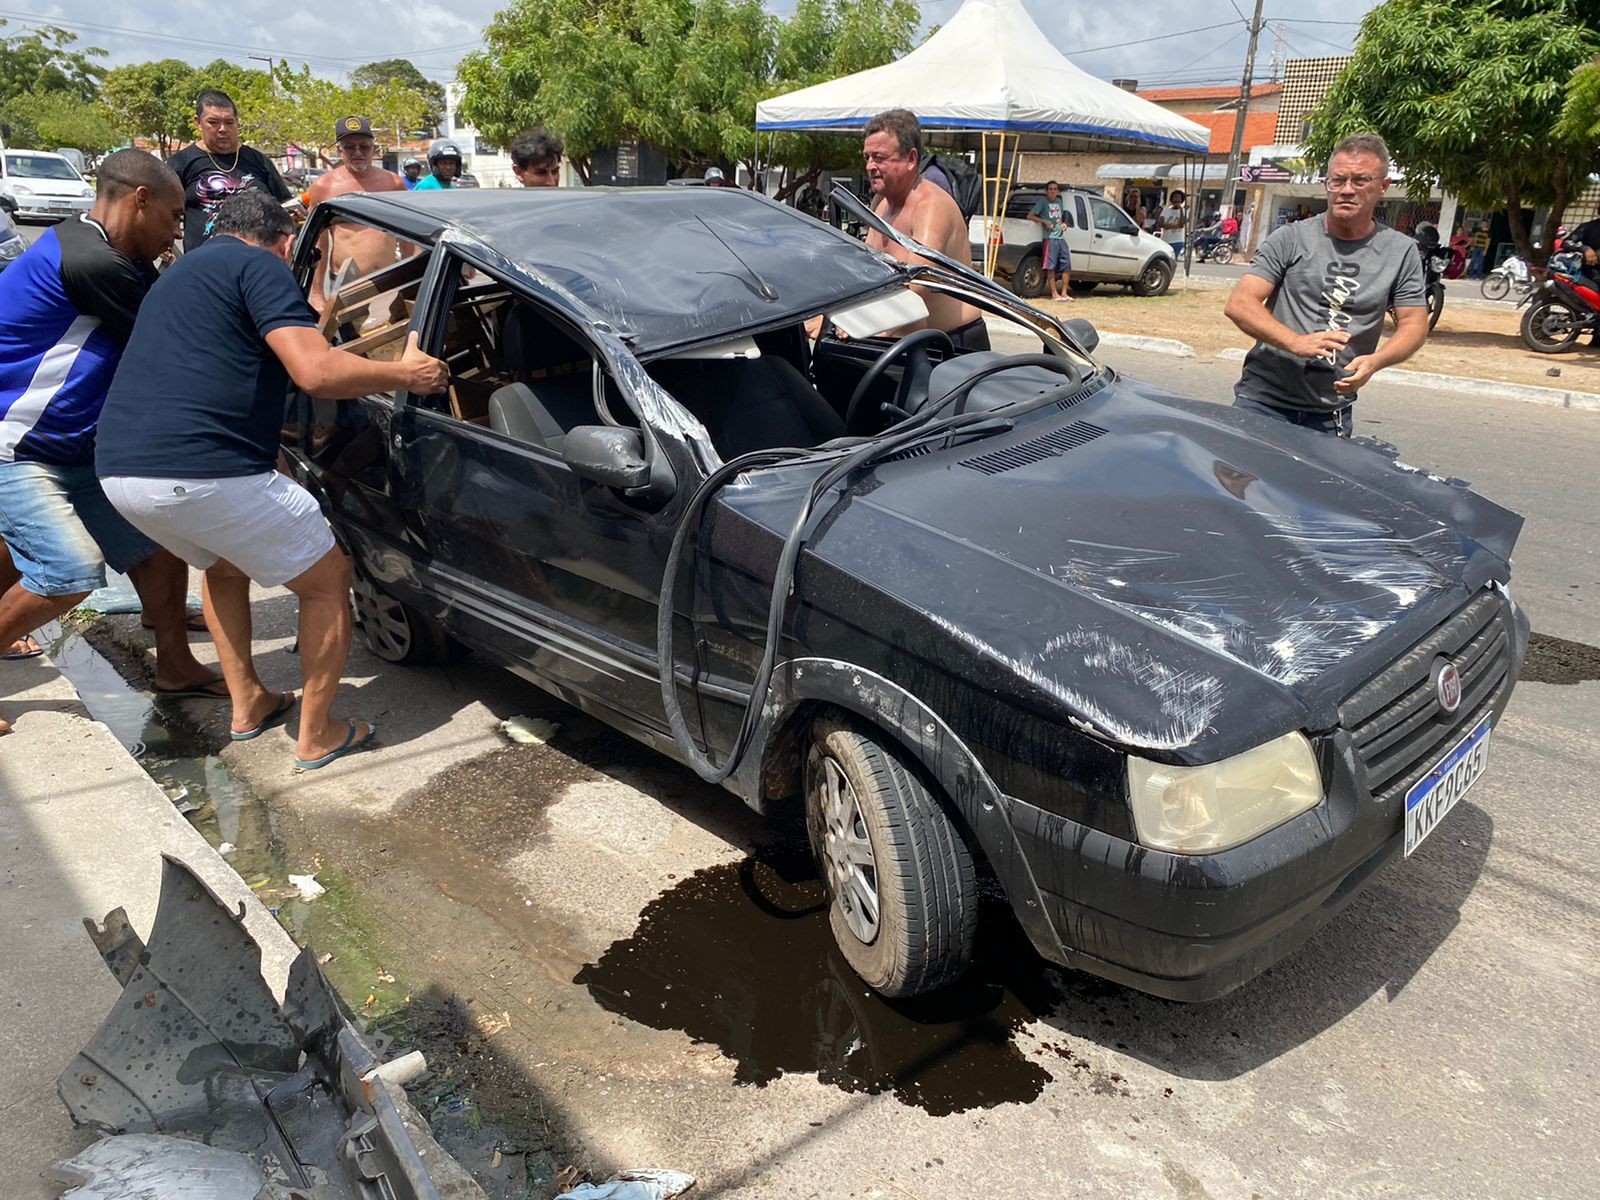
point(267, 525)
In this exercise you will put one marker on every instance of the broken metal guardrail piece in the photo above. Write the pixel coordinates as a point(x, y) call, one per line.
point(196, 1047)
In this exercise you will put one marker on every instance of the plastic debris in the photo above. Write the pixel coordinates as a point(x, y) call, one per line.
point(226, 848)
point(167, 1166)
point(641, 1184)
point(309, 888)
point(530, 731)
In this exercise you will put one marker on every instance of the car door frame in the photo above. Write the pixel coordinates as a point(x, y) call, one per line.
point(673, 440)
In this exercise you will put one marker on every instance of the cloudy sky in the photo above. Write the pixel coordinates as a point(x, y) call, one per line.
point(1158, 42)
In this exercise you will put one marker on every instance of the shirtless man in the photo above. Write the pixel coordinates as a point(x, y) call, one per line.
point(370, 249)
point(926, 213)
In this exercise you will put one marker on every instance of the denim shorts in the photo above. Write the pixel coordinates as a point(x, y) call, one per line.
point(1057, 254)
point(62, 530)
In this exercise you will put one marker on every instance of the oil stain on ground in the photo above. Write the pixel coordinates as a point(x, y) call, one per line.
point(740, 956)
point(1556, 660)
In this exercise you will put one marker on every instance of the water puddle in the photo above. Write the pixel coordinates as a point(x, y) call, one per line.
point(1556, 660)
point(740, 956)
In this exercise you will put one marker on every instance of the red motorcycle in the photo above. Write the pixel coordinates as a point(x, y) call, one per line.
point(1560, 310)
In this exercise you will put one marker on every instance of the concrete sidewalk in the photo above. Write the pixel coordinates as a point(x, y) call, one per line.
point(82, 830)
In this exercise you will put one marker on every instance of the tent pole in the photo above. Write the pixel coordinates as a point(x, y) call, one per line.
point(1004, 171)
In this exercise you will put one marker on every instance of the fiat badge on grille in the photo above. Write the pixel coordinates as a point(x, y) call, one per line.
point(1447, 685)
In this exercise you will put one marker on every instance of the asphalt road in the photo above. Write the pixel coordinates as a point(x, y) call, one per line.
point(616, 960)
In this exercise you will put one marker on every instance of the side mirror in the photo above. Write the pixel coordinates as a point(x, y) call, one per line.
point(1130, 228)
point(607, 455)
point(1083, 332)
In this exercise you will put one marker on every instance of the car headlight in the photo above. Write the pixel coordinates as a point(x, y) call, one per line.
point(22, 189)
point(1198, 810)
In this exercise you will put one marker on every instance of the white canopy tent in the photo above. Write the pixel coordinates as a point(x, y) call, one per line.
point(989, 80)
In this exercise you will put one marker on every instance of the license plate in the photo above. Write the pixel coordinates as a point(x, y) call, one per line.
point(1437, 792)
point(60, 206)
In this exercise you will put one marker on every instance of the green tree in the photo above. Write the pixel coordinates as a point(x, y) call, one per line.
point(402, 73)
point(152, 100)
point(1470, 94)
point(40, 63)
point(828, 39)
point(684, 75)
point(62, 120)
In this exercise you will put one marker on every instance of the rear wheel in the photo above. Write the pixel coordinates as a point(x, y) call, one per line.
point(1495, 286)
point(1222, 255)
point(1154, 279)
point(1549, 327)
point(394, 631)
point(902, 890)
point(1028, 281)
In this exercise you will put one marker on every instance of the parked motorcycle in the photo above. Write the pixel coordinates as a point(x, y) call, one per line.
point(1560, 311)
point(1213, 245)
point(1513, 275)
point(1435, 262)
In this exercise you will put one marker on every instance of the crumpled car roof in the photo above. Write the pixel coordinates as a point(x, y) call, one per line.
point(661, 266)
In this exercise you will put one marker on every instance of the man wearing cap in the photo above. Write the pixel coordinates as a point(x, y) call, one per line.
point(369, 249)
point(444, 165)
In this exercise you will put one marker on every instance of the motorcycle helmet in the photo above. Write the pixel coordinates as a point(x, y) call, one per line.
point(1427, 235)
point(410, 162)
point(443, 148)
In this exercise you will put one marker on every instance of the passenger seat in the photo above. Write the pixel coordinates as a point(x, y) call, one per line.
point(750, 403)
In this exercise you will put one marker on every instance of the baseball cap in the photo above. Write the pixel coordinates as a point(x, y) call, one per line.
point(350, 126)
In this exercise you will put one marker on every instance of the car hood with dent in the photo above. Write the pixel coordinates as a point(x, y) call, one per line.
point(1175, 577)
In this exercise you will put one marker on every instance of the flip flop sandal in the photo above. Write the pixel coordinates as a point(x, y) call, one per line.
point(20, 654)
point(193, 620)
point(285, 703)
point(195, 691)
point(350, 746)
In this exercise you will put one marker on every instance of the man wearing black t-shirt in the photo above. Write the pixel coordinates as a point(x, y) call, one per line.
point(188, 449)
point(219, 165)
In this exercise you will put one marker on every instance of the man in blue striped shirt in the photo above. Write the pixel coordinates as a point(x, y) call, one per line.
point(66, 309)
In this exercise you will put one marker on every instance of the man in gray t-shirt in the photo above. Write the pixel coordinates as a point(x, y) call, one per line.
point(1316, 295)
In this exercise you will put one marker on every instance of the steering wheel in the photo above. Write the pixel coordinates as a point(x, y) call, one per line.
point(914, 343)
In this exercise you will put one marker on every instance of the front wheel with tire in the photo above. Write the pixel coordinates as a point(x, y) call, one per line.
point(1435, 304)
point(1154, 279)
point(1550, 327)
point(1495, 286)
point(396, 632)
point(1028, 280)
point(902, 892)
point(1222, 255)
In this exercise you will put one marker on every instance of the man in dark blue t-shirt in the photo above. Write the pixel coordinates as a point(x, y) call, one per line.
point(188, 449)
point(66, 309)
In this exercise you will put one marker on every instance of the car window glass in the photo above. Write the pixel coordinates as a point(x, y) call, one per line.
point(1083, 216)
point(1108, 218)
point(1022, 204)
point(40, 166)
point(515, 367)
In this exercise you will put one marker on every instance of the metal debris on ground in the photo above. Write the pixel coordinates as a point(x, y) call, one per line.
point(530, 731)
point(286, 1099)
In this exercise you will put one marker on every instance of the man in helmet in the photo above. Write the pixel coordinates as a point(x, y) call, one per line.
point(344, 243)
point(411, 172)
point(444, 163)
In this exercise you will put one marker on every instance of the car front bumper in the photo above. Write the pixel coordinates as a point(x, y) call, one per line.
point(52, 207)
point(1194, 927)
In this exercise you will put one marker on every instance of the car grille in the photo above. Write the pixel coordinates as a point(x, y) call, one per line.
point(1395, 721)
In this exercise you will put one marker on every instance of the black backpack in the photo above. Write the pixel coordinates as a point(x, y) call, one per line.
point(965, 181)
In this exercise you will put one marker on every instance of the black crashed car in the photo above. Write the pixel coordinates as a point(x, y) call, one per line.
point(1181, 677)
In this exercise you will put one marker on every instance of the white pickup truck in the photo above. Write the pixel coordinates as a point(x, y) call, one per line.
point(1106, 245)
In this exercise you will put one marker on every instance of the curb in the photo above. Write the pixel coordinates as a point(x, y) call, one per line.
point(1467, 385)
point(1149, 345)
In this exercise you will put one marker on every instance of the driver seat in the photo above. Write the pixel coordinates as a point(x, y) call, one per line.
point(750, 403)
point(1022, 382)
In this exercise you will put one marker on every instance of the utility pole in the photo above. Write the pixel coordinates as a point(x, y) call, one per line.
point(1243, 109)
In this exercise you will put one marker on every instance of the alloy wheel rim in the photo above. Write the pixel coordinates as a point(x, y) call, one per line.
point(383, 621)
point(847, 856)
